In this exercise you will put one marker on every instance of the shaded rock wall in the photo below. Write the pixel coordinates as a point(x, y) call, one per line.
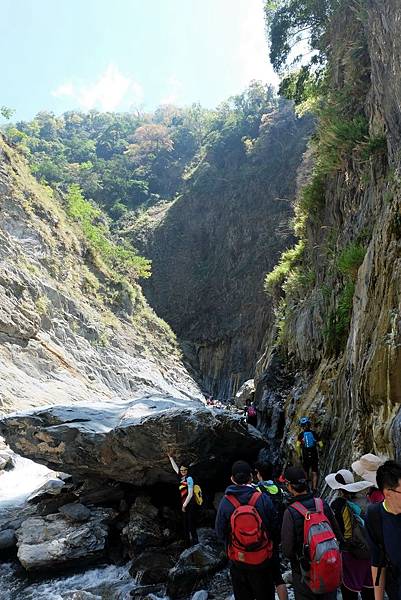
point(354, 395)
point(212, 247)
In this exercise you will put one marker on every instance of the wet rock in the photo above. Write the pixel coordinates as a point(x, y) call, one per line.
point(142, 532)
point(7, 539)
point(220, 586)
point(51, 541)
point(152, 567)
point(200, 595)
point(80, 595)
point(12, 518)
point(75, 512)
point(195, 566)
point(89, 441)
point(51, 487)
point(147, 592)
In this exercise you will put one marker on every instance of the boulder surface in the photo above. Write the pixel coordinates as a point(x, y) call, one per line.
point(129, 441)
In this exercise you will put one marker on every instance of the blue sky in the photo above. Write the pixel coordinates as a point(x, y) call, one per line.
point(81, 54)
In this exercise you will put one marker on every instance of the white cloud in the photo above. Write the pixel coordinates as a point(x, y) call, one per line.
point(252, 52)
point(65, 89)
point(111, 90)
point(173, 92)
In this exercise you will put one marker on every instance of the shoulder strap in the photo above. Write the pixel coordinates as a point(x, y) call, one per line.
point(254, 498)
point(300, 508)
point(319, 505)
point(233, 500)
point(236, 503)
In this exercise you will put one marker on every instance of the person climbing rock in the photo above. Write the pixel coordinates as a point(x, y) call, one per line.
point(383, 525)
point(266, 485)
point(305, 571)
point(355, 551)
point(246, 522)
point(307, 448)
point(250, 414)
point(188, 504)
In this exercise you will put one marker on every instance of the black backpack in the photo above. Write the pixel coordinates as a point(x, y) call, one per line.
point(277, 499)
point(358, 545)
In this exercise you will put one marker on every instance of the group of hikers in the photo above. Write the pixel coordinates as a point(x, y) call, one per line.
point(352, 545)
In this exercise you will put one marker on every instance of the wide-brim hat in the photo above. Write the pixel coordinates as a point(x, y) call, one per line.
point(366, 467)
point(344, 480)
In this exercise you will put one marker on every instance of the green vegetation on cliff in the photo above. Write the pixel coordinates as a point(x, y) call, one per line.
point(121, 258)
point(332, 81)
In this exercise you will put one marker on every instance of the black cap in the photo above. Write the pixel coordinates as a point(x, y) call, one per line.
point(295, 475)
point(241, 471)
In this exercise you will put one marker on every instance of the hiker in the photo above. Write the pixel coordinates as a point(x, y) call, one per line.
point(250, 414)
point(188, 503)
point(355, 552)
point(266, 485)
point(246, 517)
point(366, 467)
point(312, 579)
point(307, 448)
point(383, 525)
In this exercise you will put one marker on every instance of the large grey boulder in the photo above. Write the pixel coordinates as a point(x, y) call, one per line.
point(53, 540)
point(7, 539)
point(152, 567)
point(246, 391)
point(196, 565)
point(75, 511)
point(129, 441)
point(143, 530)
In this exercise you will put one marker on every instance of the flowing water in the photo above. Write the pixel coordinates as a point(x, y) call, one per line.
point(106, 582)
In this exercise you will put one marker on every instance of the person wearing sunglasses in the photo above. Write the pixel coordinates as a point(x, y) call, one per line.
point(383, 525)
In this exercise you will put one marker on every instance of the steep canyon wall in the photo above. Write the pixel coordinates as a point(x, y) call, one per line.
point(211, 248)
point(348, 375)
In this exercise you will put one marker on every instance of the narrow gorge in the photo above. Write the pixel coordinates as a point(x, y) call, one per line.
point(151, 261)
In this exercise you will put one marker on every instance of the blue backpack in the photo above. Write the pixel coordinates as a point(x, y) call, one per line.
point(309, 440)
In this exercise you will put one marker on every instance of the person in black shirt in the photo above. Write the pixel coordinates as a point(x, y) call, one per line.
point(307, 447)
point(383, 525)
point(292, 531)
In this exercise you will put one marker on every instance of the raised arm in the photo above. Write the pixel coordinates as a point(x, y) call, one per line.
point(174, 464)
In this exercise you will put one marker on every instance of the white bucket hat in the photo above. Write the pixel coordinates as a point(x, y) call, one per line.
point(344, 480)
point(366, 467)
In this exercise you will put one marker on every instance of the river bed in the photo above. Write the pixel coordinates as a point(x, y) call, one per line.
point(107, 582)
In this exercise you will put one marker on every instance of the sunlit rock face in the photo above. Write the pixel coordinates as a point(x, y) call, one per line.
point(69, 330)
point(130, 441)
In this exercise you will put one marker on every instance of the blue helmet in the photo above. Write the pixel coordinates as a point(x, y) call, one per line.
point(304, 421)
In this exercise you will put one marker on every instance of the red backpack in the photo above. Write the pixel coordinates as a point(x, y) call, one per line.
point(321, 550)
point(249, 542)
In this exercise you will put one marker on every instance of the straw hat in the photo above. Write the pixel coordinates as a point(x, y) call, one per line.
point(344, 480)
point(366, 467)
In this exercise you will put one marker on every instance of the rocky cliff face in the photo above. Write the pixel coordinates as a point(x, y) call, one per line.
point(352, 389)
point(69, 330)
point(213, 245)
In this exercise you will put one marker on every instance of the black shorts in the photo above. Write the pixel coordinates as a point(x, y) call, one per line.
point(310, 461)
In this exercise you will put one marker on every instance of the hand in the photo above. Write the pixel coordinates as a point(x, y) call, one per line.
point(183, 508)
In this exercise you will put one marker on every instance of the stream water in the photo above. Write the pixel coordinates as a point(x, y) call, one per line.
point(107, 582)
